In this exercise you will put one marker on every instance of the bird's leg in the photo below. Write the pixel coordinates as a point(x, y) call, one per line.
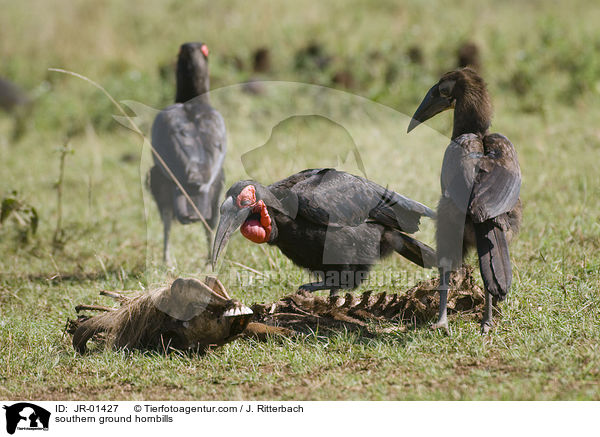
point(486, 322)
point(334, 291)
point(167, 216)
point(442, 322)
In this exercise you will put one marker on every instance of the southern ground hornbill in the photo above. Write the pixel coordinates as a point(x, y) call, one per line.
point(190, 137)
point(481, 181)
point(330, 222)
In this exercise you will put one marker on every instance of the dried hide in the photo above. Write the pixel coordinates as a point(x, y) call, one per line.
point(189, 314)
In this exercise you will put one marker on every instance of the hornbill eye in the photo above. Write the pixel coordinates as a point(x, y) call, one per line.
point(446, 88)
point(247, 197)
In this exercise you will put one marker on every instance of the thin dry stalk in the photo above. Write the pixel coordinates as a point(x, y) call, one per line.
point(137, 130)
point(57, 239)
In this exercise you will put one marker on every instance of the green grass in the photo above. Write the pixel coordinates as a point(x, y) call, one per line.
point(541, 63)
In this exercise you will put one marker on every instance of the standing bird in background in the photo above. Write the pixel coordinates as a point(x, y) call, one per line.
point(11, 96)
point(16, 102)
point(481, 181)
point(190, 138)
point(332, 223)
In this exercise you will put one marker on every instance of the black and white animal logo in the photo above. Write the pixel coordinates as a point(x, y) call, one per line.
point(26, 416)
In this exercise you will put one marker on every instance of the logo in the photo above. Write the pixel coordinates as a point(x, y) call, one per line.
point(26, 416)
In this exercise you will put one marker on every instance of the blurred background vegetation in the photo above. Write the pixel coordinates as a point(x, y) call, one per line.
point(540, 59)
point(534, 55)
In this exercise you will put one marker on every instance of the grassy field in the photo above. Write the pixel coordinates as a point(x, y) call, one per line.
point(542, 65)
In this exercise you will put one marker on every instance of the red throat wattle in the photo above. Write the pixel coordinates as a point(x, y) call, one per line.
point(257, 227)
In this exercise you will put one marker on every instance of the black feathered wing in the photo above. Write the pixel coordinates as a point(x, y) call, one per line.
point(346, 204)
point(333, 198)
point(495, 193)
point(397, 211)
point(481, 176)
point(498, 183)
point(191, 140)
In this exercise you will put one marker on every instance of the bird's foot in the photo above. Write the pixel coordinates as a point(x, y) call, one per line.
point(441, 325)
point(167, 258)
point(486, 326)
point(169, 263)
point(208, 263)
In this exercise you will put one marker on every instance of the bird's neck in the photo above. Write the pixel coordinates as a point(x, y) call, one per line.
point(192, 88)
point(274, 232)
point(472, 114)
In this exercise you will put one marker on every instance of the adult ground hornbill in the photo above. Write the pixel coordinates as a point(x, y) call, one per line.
point(190, 138)
point(481, 180)
point(333, 223)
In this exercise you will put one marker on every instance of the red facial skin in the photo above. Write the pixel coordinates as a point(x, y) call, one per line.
point(257, 231)
point(247, 197)
point(204, 50)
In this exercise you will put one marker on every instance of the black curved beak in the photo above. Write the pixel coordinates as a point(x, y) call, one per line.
point(433, 103)
point(231, 219)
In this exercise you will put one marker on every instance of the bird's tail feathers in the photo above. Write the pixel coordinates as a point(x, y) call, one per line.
point(494, 258)
point(414, 250)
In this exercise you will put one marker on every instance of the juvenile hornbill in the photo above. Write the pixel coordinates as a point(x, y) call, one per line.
point(481, 181)
point(190, 137)
point(332, 223)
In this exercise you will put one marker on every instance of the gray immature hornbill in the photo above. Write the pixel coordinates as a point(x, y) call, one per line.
point(481, 181)
point(190, 137)
point(332, 223)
